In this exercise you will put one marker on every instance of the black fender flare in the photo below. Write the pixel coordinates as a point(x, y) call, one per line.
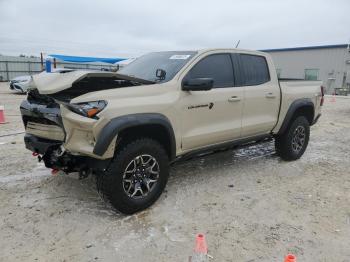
point(292, 109)
point(118, 124)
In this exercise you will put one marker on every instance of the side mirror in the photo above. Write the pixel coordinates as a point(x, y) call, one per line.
point(198, 84)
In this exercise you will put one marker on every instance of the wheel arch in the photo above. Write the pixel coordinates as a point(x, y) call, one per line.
point(300, 107)
point(153, 125)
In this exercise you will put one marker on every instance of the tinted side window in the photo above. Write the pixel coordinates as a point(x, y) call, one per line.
point(255, 70)
point(218, 67)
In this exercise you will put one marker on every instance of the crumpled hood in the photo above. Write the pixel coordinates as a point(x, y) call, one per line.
point(51, 83)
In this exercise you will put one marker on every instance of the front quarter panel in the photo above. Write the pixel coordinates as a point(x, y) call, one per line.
point(83, 133)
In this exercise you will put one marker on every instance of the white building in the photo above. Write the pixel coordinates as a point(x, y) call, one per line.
point(329, 63)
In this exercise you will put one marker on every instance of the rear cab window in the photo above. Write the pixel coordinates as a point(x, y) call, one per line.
point(254, 70)
point(216, 66)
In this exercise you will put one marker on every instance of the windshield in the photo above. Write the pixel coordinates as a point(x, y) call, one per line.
point(146, 66)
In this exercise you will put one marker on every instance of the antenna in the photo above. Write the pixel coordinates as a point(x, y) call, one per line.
point(238, 43)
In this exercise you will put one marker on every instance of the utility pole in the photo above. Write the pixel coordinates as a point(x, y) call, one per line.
point(42, 61)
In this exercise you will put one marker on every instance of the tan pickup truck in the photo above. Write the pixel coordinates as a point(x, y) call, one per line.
point(128, 127)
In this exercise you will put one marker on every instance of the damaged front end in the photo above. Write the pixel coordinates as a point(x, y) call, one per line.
point(42, 122)
point(66, 143)
point(45, 136)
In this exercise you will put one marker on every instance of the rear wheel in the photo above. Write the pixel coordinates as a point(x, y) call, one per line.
point(136, 177)
point(292, 144)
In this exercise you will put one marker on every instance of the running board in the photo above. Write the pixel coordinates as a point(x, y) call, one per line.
point(208, 150)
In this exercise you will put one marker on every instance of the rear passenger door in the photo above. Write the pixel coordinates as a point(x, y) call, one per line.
point(262, 96)
point(214, 116)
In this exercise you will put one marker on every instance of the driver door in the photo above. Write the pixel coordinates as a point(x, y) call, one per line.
point(214, 116)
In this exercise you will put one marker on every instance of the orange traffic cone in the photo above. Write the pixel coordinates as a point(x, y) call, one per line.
point(2, 115)
point(290, 258)
point(200, 251)
point(201, 244)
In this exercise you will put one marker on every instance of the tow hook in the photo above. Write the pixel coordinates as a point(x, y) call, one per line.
point(39, 157)
point(54, 171)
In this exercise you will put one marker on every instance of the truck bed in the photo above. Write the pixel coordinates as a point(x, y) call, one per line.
point(293, 89)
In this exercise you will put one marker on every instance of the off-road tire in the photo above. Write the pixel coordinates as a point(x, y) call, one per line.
point(110, 183)
point(284, 142)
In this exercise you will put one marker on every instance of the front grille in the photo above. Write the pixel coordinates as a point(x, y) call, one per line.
point(53, 132)
point(44, 121)
point(41, 116)
point(40, 109)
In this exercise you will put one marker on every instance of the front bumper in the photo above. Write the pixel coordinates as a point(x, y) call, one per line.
point(54, 158)
point(40, 145)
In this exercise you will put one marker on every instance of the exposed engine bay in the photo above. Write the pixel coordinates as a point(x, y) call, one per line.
point(91, 84)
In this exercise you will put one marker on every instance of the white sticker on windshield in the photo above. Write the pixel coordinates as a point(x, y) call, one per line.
point(184, 57)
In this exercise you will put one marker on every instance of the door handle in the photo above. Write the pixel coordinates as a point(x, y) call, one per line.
point(234, 99)
point(270, 95)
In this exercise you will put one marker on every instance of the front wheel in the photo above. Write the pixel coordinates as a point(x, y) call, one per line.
point(292, 144)
point(136, 177)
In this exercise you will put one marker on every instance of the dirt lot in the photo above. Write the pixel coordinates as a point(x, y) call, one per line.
point(251, 205)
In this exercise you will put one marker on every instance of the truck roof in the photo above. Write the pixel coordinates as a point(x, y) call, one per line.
point(201, 51)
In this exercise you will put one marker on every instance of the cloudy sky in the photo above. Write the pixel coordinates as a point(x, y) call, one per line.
point(112, 28)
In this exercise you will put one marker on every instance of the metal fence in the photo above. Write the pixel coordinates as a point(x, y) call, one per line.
point(12, 69)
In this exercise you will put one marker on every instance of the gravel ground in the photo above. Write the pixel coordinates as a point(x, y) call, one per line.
point(250, 205)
